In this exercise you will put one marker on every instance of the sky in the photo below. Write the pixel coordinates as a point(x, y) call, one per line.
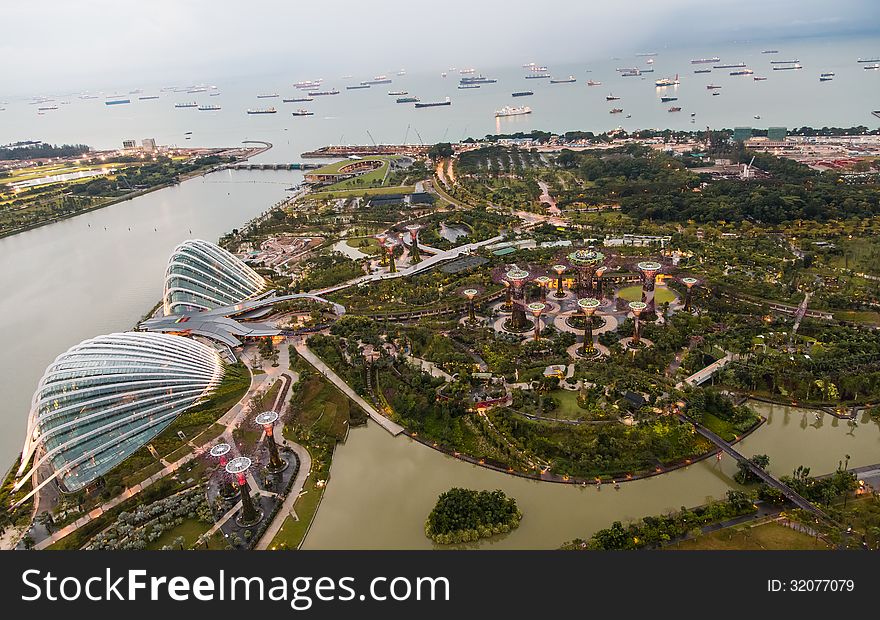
point(81, 44)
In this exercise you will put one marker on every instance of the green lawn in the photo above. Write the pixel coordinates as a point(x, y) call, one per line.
point(368, 191)
point(858, 317)
point(367, 245)
point(765, 537)
point(634, 293)
point(292, 532)
point(568, 408)
point(190, 530)
point(722, 428)
point(374, 177)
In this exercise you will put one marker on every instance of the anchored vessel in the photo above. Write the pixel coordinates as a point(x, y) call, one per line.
point(698, 61)
point(302, 112)
point(191, 104)
point(297, 99)
point(522, 93)
point(117, 101)
point(321, 93)
point(513, 111)
point(209, 108)
point(567, 80)
point(667, 81)
point(432, 104)
point(407, 99)
point(263, 111)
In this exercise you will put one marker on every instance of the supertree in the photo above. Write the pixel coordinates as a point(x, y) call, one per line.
point(589, 305)
point(536, 308)
point(559, 269)
point(390, 246)
point(544, 282)
point(267, 420)
point(586, 262)
point(689, 283)
point(413, 230)
point(220, 452)
point(248, 515)
point(470, 293)
point(517, 278)
point(649, 270)
point(637, 308)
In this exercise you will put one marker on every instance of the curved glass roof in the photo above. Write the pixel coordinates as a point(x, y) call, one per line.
point(203, 276)
point(106, 397)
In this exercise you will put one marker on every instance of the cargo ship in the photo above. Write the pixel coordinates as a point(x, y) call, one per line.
point(145, 97)
point(263, 111)
point(668, 99)
point(787, 67)
point(398, 93)
point(742, 72)
point(379, 79)
point(823, 78)
point(357, 87)
point(118, 101)
point(467, 71)
point(268, 96)
point(302, 112)
point(479, 79)
point(513, 111)
point(522, 93)
point(875, 59)
point(464, 86)
point(635, 73)
point(700, 61)
point(829, 74)
point(321, 93)
point(662, 82)
point(215, 94)
point(593, 83)
point(874, 67)
point(567, 80)
point(675, 109)
point(538, 76)
point(190, 104)
point(611, 98)
point(433, 104)
point(615, 110)
point(308, 84)
point(784, 62)
point(209, 108)
point(733, 66)
point(715, 94)
point(770, 52)
point(702, 70)
point(408, 100)
point(758, 78)
point(297, 99)
point(48, 107)
point(712, 86)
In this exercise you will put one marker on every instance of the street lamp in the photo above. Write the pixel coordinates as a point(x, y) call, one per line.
point(470, 293)
point(237, 467)
point(689, 283)
point(589, 305)
point(637, 308)
point(559, 269)
point(267, 420)
point(536, 308)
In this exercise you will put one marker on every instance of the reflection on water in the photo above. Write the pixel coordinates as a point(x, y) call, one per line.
point(382, 488)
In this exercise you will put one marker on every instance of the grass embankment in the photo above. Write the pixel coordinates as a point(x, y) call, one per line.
point(764, 537)
point(371, 191)
point(320, 416)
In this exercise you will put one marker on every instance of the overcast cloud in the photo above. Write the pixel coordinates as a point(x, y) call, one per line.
point(57, 44)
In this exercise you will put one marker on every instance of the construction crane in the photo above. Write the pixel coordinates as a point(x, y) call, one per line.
point(747, 170)
point(371, 138)
point(406, 135)
point(422, 142)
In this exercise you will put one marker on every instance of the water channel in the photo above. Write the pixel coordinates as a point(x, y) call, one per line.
point(382, 488)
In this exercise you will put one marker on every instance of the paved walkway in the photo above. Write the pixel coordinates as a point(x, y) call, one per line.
point(305, 467)
point(392, 427)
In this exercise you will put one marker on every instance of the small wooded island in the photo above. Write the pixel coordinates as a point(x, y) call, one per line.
point(465, 515)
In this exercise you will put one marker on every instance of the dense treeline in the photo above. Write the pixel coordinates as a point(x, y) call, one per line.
point(41, 150)
point(655, 186)
point(464, 515)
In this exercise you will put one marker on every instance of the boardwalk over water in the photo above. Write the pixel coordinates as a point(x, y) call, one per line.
point(790, 494)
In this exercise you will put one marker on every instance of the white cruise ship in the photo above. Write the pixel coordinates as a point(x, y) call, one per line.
point(513, 111)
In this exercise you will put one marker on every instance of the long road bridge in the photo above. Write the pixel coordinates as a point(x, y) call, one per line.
point(795, 498)
point(246, 165)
